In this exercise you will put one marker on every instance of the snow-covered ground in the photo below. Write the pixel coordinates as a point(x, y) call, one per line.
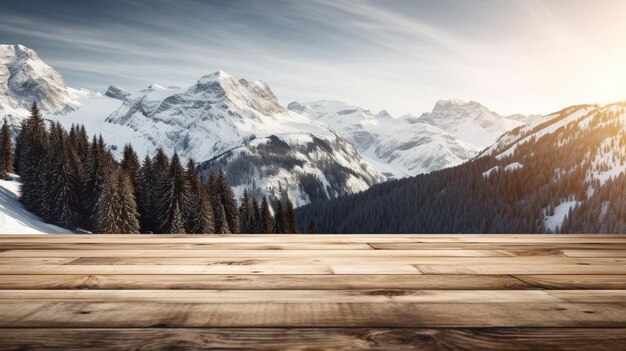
point(560, 211)
point(14, 219)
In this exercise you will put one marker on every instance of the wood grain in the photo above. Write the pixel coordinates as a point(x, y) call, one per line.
point(273, 282)
point(307, 292)
point(111, 339)
point(575, 281)
point(41, 314)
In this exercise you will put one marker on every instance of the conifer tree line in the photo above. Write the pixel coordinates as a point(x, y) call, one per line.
point(6, 150)
point(76, 183)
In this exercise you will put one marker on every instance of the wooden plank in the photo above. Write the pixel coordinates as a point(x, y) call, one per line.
point(178, 256)
point(591, 339)
point(592, 296)
point(207, 269)
point(595, 253)
point(482, 251)
point(277, 282)
point(154, 314)
point(485, 292)
point(516, 246)
point(309, 296)
point(343, 260)
point(36, 260)
point(254, 253)
point(516, 269)
point(208, 246)
point(573, 281)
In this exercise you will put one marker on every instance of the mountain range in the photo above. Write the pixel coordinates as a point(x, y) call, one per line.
point(308, 151)
point(454, 132)
point(564, 172)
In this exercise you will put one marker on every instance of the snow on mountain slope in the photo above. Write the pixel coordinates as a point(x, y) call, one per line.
point(588, 145)
point(471, 122)
point(91, 109)
point(508, 142)
point(221, 121)
point(217, 117)
point(25, 78)
point(14, 219)
point(397, 147)
point(567, 126)
point(562, 173)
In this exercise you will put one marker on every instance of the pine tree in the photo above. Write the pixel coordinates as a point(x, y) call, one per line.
point(280, 219)
point(227, 199)
point(256, 218)
point(177, 225)
point(160, 167)
point(266, 221)
point(198, 212)
point(130, 165)
point(82, 144)
point(171, 196)
point(94, 176)
point(20, 144)
point(62, 188)
point(160, 162)
point(33, 154)
point(6, 150)
point(145, 196)
point(116, 208)
point(210, 187)
point(221, 223)
point(246, 214)
point(72, 137)
point(291, 224)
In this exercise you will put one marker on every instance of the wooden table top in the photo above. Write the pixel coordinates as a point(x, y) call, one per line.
point(297, 292)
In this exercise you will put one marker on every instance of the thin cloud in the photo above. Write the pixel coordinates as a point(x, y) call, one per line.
point(513, 56)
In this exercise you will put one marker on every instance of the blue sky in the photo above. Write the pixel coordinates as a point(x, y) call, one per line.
point(513, 56)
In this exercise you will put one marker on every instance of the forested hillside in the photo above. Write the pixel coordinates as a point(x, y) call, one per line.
point(77, 184)
point(563, 173)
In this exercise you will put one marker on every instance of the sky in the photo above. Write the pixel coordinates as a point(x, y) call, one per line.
point(513, 56)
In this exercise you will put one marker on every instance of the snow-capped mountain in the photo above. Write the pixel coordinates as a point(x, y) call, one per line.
point(216, 121)
point(240, 127)
point(25, 78)
point(398, 147)
point(471, 122)
point(588, 145)
point(601, 160)
point(565, 172)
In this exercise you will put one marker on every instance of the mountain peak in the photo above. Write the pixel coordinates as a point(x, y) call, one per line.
point(469, 121)
point(218, 75)
point(17, 50)
point(116, 92)
point(25, 78)
point(447, 102)
point(383, 114)
point(457, 104)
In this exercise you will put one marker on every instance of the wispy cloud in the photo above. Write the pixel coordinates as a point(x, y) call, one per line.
point(514, 56)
